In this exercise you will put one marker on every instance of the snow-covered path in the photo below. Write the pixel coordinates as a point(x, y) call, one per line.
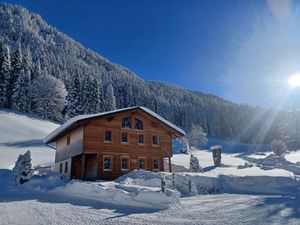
point(25, 208)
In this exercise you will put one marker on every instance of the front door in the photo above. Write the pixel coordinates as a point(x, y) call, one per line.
point(91, 167)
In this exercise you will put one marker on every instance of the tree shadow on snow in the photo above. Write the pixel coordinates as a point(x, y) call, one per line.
point(287, 207)
point(208, 168)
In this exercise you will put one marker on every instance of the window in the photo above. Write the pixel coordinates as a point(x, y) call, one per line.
point(60, 167)
point(124, 137)
point(107, 136)
point(66, 166)
point(154, 140)
point(124, 163)
point(126, 122)
point(142, 164)
point(138, 124)
point(68, 140)
point(107, 163)
point(141, 139)
point(155, 164)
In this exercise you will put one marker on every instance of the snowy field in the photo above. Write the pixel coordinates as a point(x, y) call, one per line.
point(251, 189)
point(18, 133)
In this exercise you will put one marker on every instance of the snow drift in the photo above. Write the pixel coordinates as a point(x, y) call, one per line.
point(118, 194)
point(201, 183)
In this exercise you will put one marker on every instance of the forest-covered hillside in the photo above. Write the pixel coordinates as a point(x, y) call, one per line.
point(45, 72)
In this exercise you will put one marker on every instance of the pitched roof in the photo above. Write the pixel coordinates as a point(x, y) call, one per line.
point(75, 120)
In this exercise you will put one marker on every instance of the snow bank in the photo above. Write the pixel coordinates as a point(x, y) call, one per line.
point(45, 181)
point(202, 183)
point(120, 194)
point(150, 179)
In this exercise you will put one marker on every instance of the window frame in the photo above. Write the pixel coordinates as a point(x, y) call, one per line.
point(156, 145)
point(111, 163)
point(145, 162)
point(111, 135)
point(135, 122)
point(68, 140)
point(138, 139)
point(130, 123)
point(128, 163)
point(158, 164)
point(66, 167)
point(61, 167)
point(122, 142)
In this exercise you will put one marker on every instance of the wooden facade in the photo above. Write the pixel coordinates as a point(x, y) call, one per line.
point(105, 147)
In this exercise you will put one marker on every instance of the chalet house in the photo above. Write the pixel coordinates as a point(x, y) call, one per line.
point(110, 144)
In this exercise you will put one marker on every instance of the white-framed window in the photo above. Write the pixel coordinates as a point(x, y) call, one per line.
point(126, 122)
point(108, 136)
point(142, 163)
point(141, 140)
point(107, 163)
point(138, 124)
point(124, 137)
point(155, 164)
point(124, 163)
point(155, 140)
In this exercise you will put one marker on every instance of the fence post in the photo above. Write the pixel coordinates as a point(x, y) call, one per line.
point(163, 184)
point(190, 186)
point(173, 180)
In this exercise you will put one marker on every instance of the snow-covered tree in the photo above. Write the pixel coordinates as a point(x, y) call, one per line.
point(4, 74)
point(278, 147)
point(194, 164)
point(91, 98)
point(48, 96)
point(16, 71)
point(73, 97)
point(22, 171)
point(110, 98)
point(194, 138)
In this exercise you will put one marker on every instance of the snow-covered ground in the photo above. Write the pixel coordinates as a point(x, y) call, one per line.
point(238, 188)
point(230, 163)
point(18, 133)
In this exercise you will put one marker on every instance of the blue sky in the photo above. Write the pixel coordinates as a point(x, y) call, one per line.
point(229, 48)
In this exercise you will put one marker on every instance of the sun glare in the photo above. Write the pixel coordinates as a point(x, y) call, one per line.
point(294, 80)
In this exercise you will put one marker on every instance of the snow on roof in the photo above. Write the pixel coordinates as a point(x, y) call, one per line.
point(50, 138)
point(216, 147)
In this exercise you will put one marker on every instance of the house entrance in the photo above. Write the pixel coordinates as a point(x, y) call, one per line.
point(91, 167)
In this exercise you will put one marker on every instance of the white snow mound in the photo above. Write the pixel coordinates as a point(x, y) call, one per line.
point(118, 194)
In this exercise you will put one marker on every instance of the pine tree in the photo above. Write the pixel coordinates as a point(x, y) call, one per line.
point(22, 71)
point(73, 97)
point(36, 70)
point(194, 164)
point(110, 98)
point(91, 94)
point(4, 74)
point(22, 171)
point(16, 70)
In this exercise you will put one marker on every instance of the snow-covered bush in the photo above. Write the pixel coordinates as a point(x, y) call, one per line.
point(194, 164)
point(278, 147)
point(22, 171)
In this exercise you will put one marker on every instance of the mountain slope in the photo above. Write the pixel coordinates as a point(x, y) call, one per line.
point(64, 58)
point(19, 133)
